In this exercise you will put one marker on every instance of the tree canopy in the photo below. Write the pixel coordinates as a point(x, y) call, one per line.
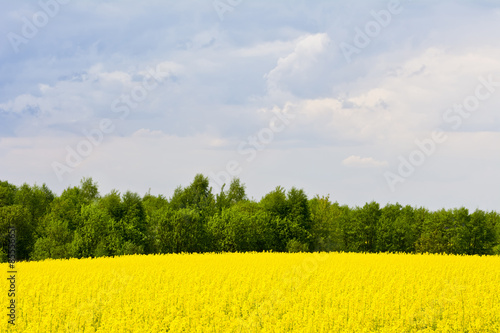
point(83, 223)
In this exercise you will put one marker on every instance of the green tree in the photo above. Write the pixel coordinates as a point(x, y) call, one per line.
point(361, 228)
point(388, 233)
point(477, 236)
point(291, 218)
point(397, 230)
point(275, 203)
point(493, 220)
point(179, 230)
point(300, 217)
point(196, 196)
point(408, 229)
point(239, 228)
point(195, 205)
point(436, 232)
point(92, 238)
point(458, 233)
point(57, 228)
point(236, 193)
point(112, 203)
point(133, 224)
point(37, 201)
point(56, 240)
point(89, 191)
point(7, 193)
point(67, 207)
point(151, 205)
point(229, 231)
point(260, 230)
point(15, 216)
point(326, 228)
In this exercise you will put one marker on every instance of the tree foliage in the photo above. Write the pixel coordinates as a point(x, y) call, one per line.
point(82, 223)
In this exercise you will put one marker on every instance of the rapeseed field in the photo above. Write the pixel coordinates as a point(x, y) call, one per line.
point(258, 292)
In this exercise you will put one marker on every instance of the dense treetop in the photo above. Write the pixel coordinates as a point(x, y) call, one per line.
point(83, 223)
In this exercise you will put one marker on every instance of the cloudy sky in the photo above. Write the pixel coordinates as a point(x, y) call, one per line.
point(361, 100)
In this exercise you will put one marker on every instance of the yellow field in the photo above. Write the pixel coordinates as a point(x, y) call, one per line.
point(254, 292)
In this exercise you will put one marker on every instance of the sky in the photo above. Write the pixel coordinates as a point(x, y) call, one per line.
point(391, 101)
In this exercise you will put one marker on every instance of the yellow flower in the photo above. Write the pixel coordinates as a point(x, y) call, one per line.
point(258, 292)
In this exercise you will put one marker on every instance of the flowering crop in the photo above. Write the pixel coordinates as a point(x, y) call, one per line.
point(258, 292)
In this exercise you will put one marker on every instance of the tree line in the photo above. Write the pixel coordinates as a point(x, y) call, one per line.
point(81, 223)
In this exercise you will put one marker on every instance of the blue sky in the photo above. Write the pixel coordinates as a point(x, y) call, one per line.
point(368, 100)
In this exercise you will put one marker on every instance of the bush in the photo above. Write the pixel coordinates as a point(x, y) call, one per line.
point(3, 256)
point(294, 245)
point(131, 248)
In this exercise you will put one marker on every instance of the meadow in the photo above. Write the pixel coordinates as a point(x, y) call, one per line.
point(259, 292)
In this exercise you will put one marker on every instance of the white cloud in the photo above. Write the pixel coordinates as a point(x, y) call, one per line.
point(405, 101)
point(274, 48)
point(364, 162)
point(300, 66)
point(147, 133)
point(21, 103)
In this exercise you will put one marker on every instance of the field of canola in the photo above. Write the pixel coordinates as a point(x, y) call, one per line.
point(258, 292)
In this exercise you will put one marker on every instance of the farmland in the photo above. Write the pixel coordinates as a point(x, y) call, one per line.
point(259, 292)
